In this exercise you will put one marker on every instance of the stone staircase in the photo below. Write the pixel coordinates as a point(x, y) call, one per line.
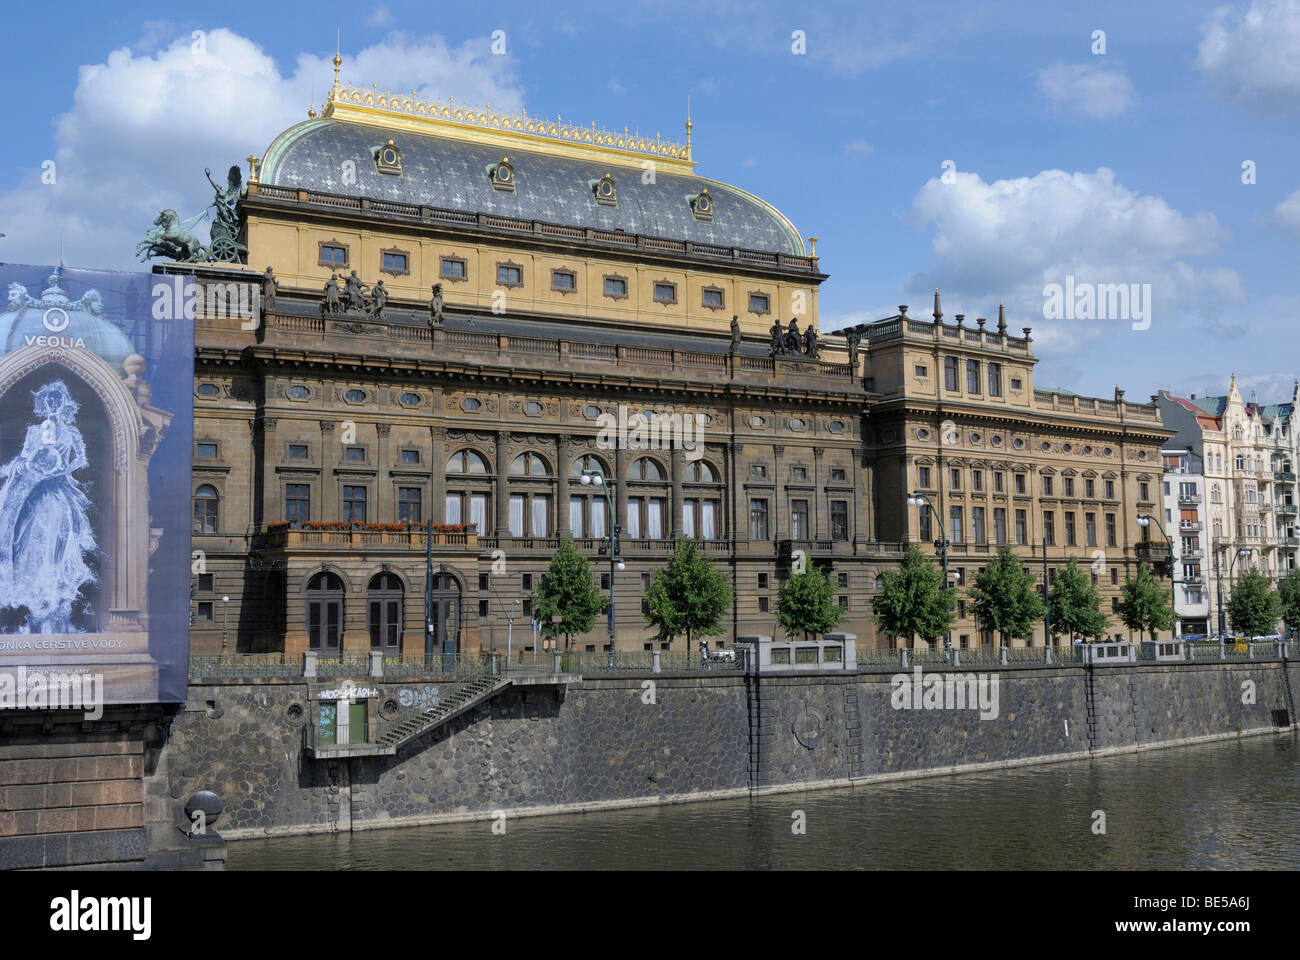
point(464, 696)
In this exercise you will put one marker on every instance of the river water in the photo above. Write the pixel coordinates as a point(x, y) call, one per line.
point(1233, 804)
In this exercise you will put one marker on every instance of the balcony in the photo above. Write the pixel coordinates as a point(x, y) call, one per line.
point(364, 536)
point(1286, 509)
point(1195, 553)
point(1191, 526)
point(1149, 551)
point(1189, 499)
point(1284, 476)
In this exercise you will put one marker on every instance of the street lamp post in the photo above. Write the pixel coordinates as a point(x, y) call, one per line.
point(225, 620)
point(1144, 520)
point(941, 544)
point(595, 476)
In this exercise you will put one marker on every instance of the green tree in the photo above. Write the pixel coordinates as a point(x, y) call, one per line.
point(688, 597)
point(1288, 599)
point(1004, 598)
point(806, 604)
point(1144, 603)
point(1075, 606)
point(912, 602)
point(1252, 608)
point(567, 589)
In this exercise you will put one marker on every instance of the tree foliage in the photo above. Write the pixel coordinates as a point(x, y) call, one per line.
point(1004, 598)
point(1144, 604)
point(1074, 604)
point(567, 589)
point(806, 604)
point(1253, 606)
point(912, 602)
point(1288, 599)
point(688, 597)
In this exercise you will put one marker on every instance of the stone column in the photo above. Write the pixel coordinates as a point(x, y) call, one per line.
point(385, 502)
point(780, 527)
point(821, 517)
point(563, 453)
point(622, 463)
point(677, 462)
point(271, 486)
point(329, 481)
point(503, 486)
point(438, 477)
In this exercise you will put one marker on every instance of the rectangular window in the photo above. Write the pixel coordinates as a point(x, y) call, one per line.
point(333, 256)
point(354, 454)
point(923, 477)
point(954, 479)
point(799, 520)
point(926, 531)
point(410, 456)
point(564, 281)
point(977, 524)
point(1020, 483)
point(1110, 529)
point(758, 471)
point(395, 263)
point(842, 579)
point(950, 373)
point(1016, 384)
point(977, 481)
point(665, 293)
point(205, 450)
point(922, 371)
point(999, 525)
point(508, 276)
point(1090, 529)
point(758, 519)
point(759, 303)
point(408, 505)
point(482, 608)
point(1110, 489)
point(999, 482)
point(762, 581)
point(798, 474)
point(297, 502)
point(354, 504)
point(1022, 528)
point(526, 581)
point(972, 376)
point(205, 610)
point(1069, 486)
point(1089, 488)
point(955, 524)
point(1047, 486)
point(1114, 577)
point(452, 268)
point(762, 605)
point(615, 287)
point(297, 451)
point(837, 474)
point(1144, 491)
point(1049, 528)
point(839, 519)
point(1070, 532)
point(995, 379)
point(713, 298)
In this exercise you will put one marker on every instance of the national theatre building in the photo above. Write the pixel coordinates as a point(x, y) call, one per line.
point(463, 311)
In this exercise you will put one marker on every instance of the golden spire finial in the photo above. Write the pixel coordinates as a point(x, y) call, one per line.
point(252, 168)
point(813, 241)
point(311, 107)
point(338, 60)
point(689, 126)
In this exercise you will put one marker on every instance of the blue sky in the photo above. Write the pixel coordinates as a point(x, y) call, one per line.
point(849, 139)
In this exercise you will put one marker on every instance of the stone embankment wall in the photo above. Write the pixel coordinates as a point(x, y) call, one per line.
point(604, 741)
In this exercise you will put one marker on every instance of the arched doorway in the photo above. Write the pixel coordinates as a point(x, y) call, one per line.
point(325, 613)
point(384, 615)
point(445, 615)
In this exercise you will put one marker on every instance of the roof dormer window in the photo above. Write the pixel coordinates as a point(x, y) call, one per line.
point(605, 190)
point(702, 205)
point(503, 175)
point(388, 159)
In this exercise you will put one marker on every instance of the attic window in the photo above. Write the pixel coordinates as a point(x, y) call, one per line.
point(503, 175)
point(605, 190)
point(702, 205)
point(388, 159)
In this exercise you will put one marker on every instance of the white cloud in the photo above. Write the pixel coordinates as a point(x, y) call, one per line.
point(1009, 238)
point(858, 146)
point(380, 17)
point(1089, 88)
point(141, 128)
point(616, 86)
point(1287, 213)
point(1253, 59)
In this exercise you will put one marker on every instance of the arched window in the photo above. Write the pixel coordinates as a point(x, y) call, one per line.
point(325, 613)
point(529, 465)
point(587, 506)
point(701, 508)
point(205, 509)
point(467, 461)
point(588, 462)
point(469, 504)
point(647, 511)
point(384, 617)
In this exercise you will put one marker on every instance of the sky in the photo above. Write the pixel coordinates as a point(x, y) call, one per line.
point(989, 149)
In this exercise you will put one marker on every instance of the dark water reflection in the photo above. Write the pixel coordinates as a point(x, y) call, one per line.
point(1216, 806)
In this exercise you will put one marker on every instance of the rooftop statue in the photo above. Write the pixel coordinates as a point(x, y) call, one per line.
point(331, 305)
point(378, 298)
point(811, 347)
point(170, 239)
point(435, 306)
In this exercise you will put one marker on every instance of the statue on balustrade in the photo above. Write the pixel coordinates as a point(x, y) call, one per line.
point(853, 339)
point(354, 294)
point(378, 299)
point(778, 338)
point(269, 287)
point(811, 346)
point(331, 305)
point(735, 334)
point(435, 306)
point(793, 342)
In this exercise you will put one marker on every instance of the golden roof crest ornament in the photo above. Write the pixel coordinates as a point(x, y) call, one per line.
point(427, 115)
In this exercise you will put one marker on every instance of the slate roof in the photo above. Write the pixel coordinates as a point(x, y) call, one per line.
point(454, 174)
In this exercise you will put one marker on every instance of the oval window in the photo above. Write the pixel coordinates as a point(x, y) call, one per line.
point(1142, 454)
point(923, 434)
point(209, 390)
point(1067, 448)
point(1105, 451)
point(1017, 443)
point(469, 405)
point(592, 411)
point(1046, 445)
point(996, 441)
point(974, 438)
point(1087, 451)
point(796, 424)
point(533, 408)
point(355, 396)
point(837, 426)
point(299, 392)
point(410, 400)
point(757, 422)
